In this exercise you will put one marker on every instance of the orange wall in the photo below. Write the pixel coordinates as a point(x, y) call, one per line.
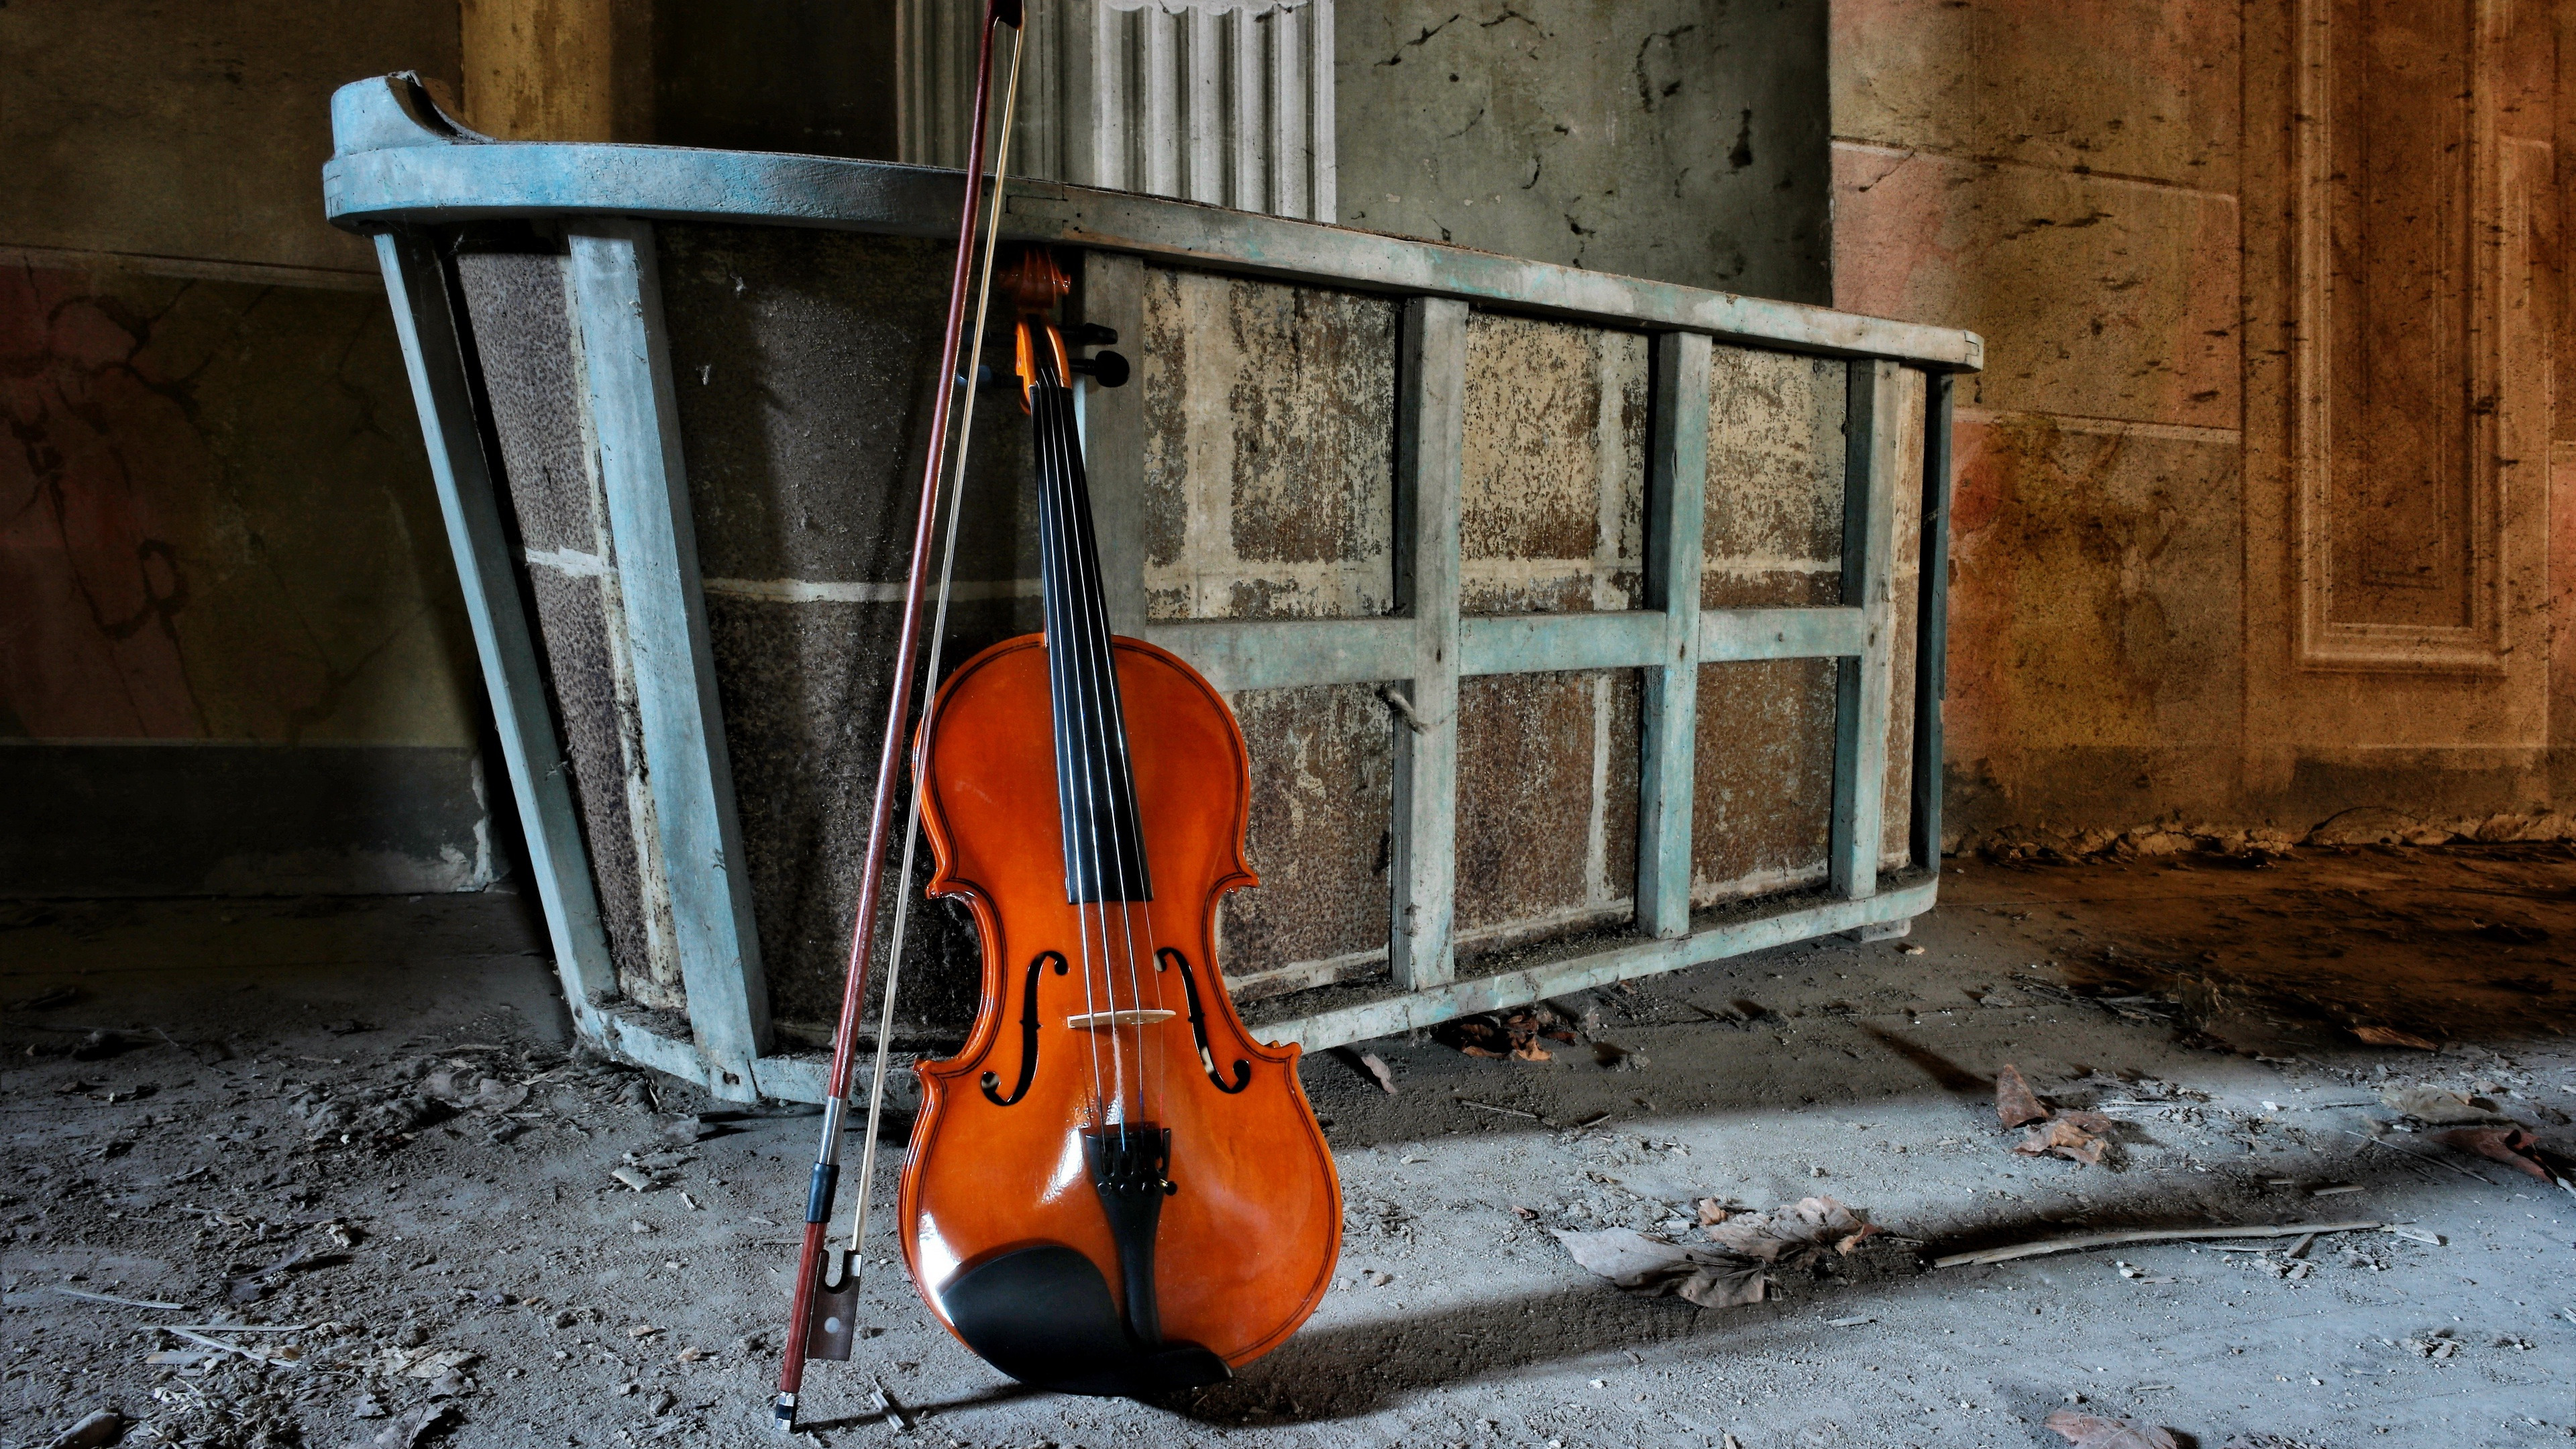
point(2148, 618)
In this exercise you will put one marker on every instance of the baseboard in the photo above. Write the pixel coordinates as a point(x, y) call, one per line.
point(84, 818)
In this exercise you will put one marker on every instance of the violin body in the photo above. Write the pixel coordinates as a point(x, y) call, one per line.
point(1250, 1225)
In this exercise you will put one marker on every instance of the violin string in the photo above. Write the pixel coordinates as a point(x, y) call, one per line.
point(1084, 709)
point(1118, 784)
point(1094, 656)
point(938, 643)
point(1064, 646)
point(1104, 727)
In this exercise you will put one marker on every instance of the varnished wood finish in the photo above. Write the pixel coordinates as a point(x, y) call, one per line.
point(1249, 1237)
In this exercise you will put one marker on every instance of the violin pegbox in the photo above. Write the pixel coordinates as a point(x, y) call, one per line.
point(1036, 284)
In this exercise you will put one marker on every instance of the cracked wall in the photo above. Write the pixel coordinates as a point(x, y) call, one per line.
point(1675, 139)
point(2161, 603)
point(233, 657)
point(222, 554)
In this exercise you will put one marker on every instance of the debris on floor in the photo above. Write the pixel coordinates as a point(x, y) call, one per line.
point(2439, 1106)
point(2086, 1241)
point(2074, 1134)
point(2512, 1146)
point(2015, 1103)
point(1518, 1034)
point(2092, 1431)
point(96, 1429)
point(498, 1253)
point(1371, 1065)
point(1813, 1236)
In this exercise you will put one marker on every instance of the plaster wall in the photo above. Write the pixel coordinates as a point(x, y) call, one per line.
point(1683, 140)
point(232, 654)
point(2164, 604)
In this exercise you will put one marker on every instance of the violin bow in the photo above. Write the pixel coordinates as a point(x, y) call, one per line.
point(832, 1336)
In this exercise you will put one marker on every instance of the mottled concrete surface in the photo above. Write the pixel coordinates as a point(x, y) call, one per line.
point(517, 306)
point(1552, 485)
point(1676, 139)
point(1269, 470)
point(277, 1092)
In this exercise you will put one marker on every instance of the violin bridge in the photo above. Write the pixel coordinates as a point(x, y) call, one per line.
point(1094, 1020)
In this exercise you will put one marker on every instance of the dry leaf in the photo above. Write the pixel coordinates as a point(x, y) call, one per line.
point(2434, 1105)
point(2511, 1146)
point(2391, 1037)
point(1711, 1212)
point(1634, 1261)
point(2092, 1431)
point(1477, 1051)
point(2075, 1136)
point(1530, 1051)
point(1787, 1235)
point(411, 1429)
point(2015, 1102)
point(424, 1363)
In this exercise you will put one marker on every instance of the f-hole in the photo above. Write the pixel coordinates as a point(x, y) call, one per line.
point(1167, 956)
point(1028, 1033)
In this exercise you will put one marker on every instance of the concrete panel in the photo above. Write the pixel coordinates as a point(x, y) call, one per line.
point(1906, 569)
point(2098, 298)
point(1541, 759)
point(1762, 802)
point(1321, 781)
point(533, 376)
point(1269, 448)
point(2095, 605)
point(194, 130)
point(1773, 534)
point(804, 689)
point(1672, 139)
point(525, 345)
point(2139, 88)
point(1553, 488)
point(219, 519)
point(786, 346)
point(573, 643)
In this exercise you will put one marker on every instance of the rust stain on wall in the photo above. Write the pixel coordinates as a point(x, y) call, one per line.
point(1552, 492)
point(1269, 448)
point(1547, 824)
point(1322, 776)
point(1773, 531)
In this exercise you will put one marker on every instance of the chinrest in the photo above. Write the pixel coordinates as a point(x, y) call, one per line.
point(1044, 1316)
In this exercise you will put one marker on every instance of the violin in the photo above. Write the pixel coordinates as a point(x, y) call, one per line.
point(1112, 1189)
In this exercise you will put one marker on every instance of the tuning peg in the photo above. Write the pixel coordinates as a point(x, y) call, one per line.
point(1106, 368)
point(1090, 334)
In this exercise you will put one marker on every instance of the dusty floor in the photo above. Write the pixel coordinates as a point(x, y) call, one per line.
point(275, 1097)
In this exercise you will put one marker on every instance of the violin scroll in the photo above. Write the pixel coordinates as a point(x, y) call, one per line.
point(1036, 284)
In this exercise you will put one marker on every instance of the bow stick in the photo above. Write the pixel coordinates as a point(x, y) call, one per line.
point(832, 1337)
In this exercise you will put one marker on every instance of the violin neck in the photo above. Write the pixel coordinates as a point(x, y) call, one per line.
point(1104, 851)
